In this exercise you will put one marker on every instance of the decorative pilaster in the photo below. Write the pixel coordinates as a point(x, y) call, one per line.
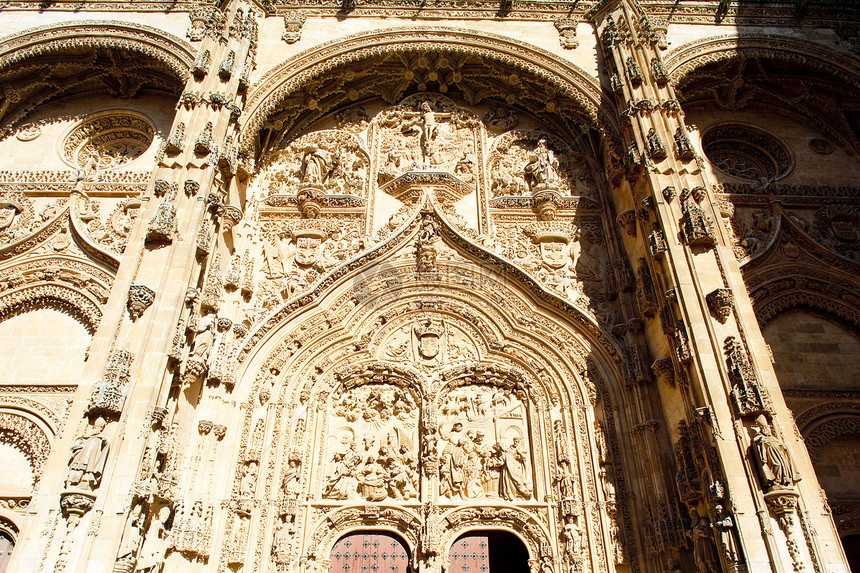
point(706, 312)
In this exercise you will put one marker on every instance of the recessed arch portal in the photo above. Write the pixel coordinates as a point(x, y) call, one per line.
point(370, 551)
point(488, 551)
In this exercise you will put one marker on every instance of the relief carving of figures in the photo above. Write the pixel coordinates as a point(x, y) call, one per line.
point(317, 165)
point(16, 214)
point(424, 132)
point(89, 454)
point(484, 453)
point(541, 170)
point(204, 338)
point(372, 441)
point(333, 160)
point(524, 161)
point(775, 466)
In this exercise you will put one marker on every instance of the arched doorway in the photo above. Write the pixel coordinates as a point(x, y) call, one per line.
point(488, 552)
point(8, 534)
point(369, 552)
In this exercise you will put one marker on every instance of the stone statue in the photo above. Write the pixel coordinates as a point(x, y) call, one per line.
point(513, 482)
point(317, 165)
point(426, 127)
point(704, 549)
point(204, 338)
point(774, 465)
point(291, 483)
point(249, 479)
point(131, 537)
point(541, 171)
point(151, 557)
point(89, 454)
point(452, 471)
point(572, 536)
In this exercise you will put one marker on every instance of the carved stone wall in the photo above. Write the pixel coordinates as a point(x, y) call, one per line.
point(275, 277)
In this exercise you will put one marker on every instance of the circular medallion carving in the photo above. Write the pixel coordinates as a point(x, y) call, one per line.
point(106, 141)
point(820, 146)
point(28, 132)
point(746, 153)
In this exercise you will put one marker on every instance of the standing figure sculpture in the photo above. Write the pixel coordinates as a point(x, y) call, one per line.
point(704, 549)
point(541, 171)
point(513, 482)
point(427, 128)
point(771, 456)
point(88, 458)
point(317, 165)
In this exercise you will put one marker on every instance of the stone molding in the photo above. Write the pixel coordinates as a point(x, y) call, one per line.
point(289, 76)
point(683, 60)
point(176, 54)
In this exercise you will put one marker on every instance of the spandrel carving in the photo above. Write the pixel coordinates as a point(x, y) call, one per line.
point(483, 446)
point(372, 441)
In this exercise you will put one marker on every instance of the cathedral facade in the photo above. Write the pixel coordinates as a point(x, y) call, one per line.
point(438, 287)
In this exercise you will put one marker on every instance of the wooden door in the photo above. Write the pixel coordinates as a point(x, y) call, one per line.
point(369, 552)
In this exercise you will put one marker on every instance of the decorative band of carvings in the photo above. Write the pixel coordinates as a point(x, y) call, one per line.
point(52, 295)
point(685, 59)
point(277, 84)
point(176, 54)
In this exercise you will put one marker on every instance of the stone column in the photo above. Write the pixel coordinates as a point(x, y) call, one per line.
point(711, 358)
point(97, 512)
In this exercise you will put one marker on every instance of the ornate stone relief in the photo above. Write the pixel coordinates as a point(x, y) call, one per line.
point(746, 153)
point(483, 451)
point(332, 160)
point(426, 132)
point(107, 141)
point(373, 444)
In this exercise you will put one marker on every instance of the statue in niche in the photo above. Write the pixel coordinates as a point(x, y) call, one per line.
point(249, 479)
point(513, 482)
point(472, 466)
point(541, 171)
point(572, 534)
point(204, 338)
point(771, 456)
point(131, 538)
point(465, 167)
point(89, 454)
point(704, 549)
point(317, 165)
point(284, 532)
point(564, 481)
point(151, 557)
point(291, 484)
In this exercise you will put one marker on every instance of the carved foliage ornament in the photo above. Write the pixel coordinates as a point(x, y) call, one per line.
point(106, 141)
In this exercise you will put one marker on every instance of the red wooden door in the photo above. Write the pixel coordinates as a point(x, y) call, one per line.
point(369, 552)
point(488, 552)
point(470, 554)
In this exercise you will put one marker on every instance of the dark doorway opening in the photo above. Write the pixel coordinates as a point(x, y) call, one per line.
point(488, 552)
point(851, 544)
